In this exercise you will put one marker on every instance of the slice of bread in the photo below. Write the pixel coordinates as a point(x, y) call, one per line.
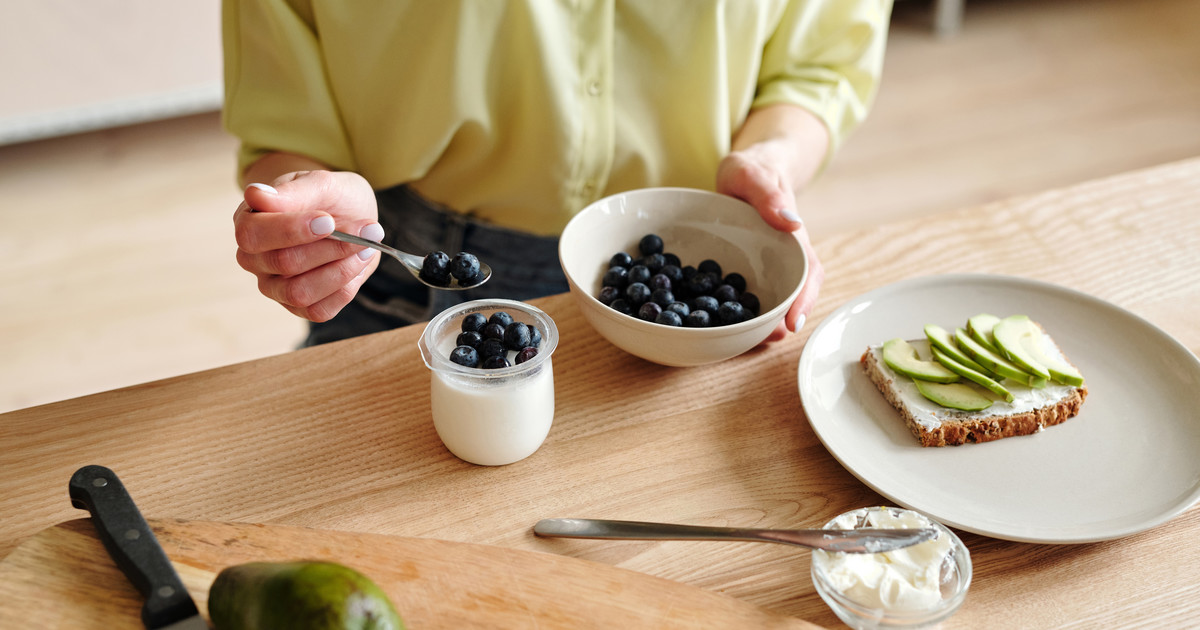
point(1031, 410)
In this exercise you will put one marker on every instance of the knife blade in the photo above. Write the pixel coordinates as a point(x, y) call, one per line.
point(132, 545)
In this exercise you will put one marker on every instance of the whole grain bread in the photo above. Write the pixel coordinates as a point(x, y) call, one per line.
point(975, 426)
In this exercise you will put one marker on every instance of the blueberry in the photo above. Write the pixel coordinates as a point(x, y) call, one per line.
point(709, 266)
point(725, 293)
point(731, 313)
point(697, 319)
point(654, 262)
point(616, 277)
point(688, 272)
point(659, 281)
point(535, 337)
point(493, 331)
point(621, 259)
point(608, 294)
point(649, 311)
point(491, 348)
point(673, 273)
point(650, 244)
point(639, 273)
point(502, 318)
point(637, 293)
point(469, 338)
point(435, 269)
point(495, 362)
point(516, 336)
point(621, 305)
point(672, 259)
point(464, 267)
point(465, 355)
point(750, 301)
point(526, 354)
point(662, 297)
point(679, 308)
point(700, 284)
point(705, 303)
point(669, 318)
point(737, 281)
point(474, 322)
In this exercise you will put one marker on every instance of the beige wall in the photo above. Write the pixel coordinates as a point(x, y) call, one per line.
point(74, 65)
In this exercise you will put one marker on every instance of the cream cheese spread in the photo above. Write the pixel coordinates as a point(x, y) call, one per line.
point(904, 580)
point(931, 415)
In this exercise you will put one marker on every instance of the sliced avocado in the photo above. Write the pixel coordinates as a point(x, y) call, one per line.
point(899, 355)
point(942, 340)
point(972, 374)
point(302, 595)
point(954, 395)
point(1021, 341)
point(994, 362)
point(979, 328)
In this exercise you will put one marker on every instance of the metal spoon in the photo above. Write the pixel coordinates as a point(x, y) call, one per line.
point(866, 540)
point(412, 262)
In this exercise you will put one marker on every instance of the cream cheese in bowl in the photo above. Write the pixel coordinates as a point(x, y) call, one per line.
point(914, 587)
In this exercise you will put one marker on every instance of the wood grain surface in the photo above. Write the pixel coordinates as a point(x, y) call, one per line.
point(63, 578)
point(339, 437)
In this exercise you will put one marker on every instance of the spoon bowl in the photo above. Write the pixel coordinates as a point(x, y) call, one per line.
point(865, 540)
point(413, 262)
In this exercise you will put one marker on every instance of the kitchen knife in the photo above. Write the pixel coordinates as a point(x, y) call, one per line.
point(136, 551)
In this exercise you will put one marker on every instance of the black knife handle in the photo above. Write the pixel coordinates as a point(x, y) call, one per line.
point(132, 544)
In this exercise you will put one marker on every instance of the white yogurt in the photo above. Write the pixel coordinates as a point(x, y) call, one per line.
point(493, 422)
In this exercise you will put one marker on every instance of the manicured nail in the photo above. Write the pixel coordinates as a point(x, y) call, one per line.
point(800, 323)
point(372, 232)
point(322, 225)
point(366, 253)
point(790, 216)
point(265, 188)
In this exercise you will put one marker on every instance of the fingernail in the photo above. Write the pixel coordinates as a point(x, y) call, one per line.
point(372, 232)
point(322, 225)
point(800, 323)
point(791, 216)
point(366, 253)
point(265, 188)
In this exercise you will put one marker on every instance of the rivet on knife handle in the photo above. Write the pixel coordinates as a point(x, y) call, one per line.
point(132, 545)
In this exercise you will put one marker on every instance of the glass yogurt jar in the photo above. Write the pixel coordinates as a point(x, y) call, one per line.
point(490, 416)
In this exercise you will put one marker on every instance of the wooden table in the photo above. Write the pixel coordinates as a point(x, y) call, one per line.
point(339, 437)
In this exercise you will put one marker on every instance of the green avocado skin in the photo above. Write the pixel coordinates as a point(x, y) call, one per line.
point(300, 595)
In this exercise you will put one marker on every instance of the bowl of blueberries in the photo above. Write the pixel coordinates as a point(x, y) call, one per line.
point(680, 276)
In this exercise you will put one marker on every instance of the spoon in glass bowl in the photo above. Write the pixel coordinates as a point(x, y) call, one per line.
point(413, 263)
point(866, 540)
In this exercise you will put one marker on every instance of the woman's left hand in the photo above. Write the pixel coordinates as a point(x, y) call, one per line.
point(752, 176)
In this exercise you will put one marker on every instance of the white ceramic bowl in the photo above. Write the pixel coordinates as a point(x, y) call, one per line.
point(694, 225)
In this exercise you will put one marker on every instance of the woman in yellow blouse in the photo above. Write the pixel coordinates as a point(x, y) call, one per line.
point(484, 125)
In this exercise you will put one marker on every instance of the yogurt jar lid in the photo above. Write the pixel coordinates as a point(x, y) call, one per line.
point(440, 333)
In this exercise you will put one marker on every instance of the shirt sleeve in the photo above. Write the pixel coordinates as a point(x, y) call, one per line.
point(827, 57)
point(277, 94)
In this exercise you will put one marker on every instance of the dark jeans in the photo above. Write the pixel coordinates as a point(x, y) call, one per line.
point(523, 267)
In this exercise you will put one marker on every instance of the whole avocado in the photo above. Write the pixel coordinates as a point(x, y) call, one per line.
point(301, 595)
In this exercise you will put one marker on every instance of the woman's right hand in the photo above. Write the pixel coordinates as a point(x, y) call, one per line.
point(281, 229)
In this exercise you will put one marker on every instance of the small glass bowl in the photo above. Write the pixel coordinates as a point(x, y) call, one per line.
point(955, 573)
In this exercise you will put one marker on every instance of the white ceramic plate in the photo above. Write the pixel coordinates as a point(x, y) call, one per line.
point(1128, 462)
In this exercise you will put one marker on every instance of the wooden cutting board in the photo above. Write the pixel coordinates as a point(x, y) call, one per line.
point(63, 578)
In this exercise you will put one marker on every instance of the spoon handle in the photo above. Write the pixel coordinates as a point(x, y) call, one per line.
point(865, 540)
point(404, 257)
